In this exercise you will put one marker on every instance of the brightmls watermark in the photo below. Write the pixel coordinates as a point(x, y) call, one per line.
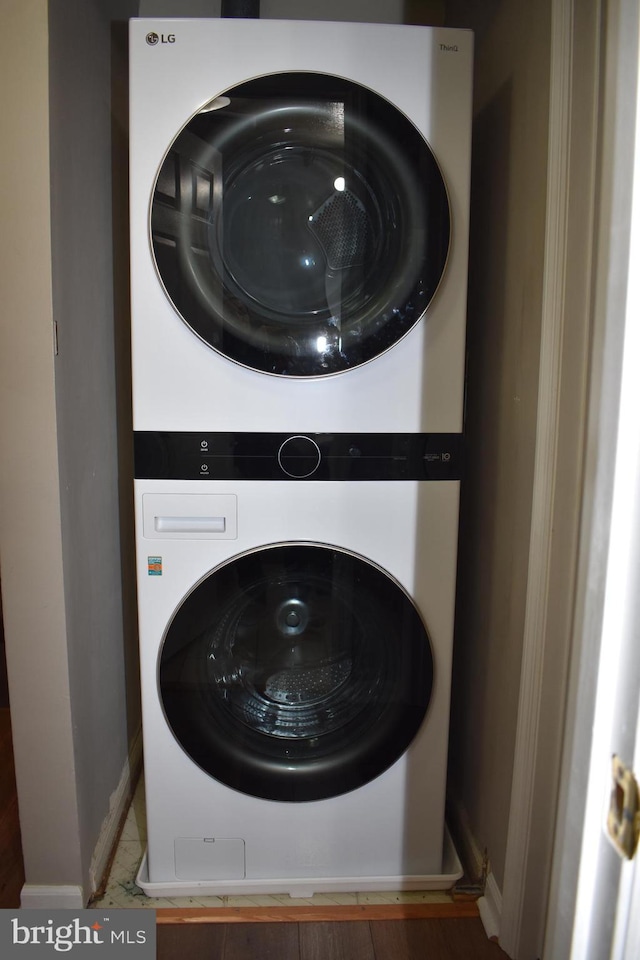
point(78, 933)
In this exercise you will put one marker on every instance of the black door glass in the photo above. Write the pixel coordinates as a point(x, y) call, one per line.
point(296, 672)
point(300, 224)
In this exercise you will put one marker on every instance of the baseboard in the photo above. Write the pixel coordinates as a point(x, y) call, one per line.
point(118, 806)
point(53, 897)
point(490, 907)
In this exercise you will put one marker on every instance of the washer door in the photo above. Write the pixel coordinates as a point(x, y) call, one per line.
point(296, 672)
point(300, 224)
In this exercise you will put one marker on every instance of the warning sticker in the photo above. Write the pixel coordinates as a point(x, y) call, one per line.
point(154, 566)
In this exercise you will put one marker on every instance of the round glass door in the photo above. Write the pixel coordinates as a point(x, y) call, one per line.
point(300, 224)
point(296, 672)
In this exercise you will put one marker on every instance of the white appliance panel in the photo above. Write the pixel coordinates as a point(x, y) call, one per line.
point(390, 830)
point(181, 383)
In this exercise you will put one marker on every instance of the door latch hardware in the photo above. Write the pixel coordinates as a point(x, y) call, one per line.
point(623, 821)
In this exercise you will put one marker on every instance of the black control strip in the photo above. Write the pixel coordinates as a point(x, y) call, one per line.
point(296, 456)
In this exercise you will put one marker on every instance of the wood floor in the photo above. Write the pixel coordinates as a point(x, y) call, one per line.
point(432, 939)
point(11, 866)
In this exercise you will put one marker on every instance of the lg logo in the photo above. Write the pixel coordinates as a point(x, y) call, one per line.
point(155, 38)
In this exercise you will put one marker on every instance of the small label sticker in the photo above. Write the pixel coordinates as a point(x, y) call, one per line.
point(154, 566)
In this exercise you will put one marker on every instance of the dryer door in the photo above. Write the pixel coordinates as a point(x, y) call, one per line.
point(296, 672)
point(300, 224)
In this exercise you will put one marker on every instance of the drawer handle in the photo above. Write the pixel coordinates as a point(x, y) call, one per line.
point(190, 524)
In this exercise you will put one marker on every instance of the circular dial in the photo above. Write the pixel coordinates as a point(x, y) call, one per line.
point(299, 457)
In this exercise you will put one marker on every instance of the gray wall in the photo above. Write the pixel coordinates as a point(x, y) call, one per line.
point(511, 113)
point(68, 619)
point(88, 131)
point(30, 520)
point(372, 11)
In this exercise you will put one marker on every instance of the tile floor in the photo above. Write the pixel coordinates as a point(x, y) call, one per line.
point(121, 889)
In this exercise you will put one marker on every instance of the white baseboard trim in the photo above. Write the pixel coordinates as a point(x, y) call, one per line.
point(490, 907)
point(53, 897)
point(118, 806)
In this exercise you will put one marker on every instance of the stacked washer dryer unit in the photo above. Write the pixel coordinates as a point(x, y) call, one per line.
point(299, 224)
